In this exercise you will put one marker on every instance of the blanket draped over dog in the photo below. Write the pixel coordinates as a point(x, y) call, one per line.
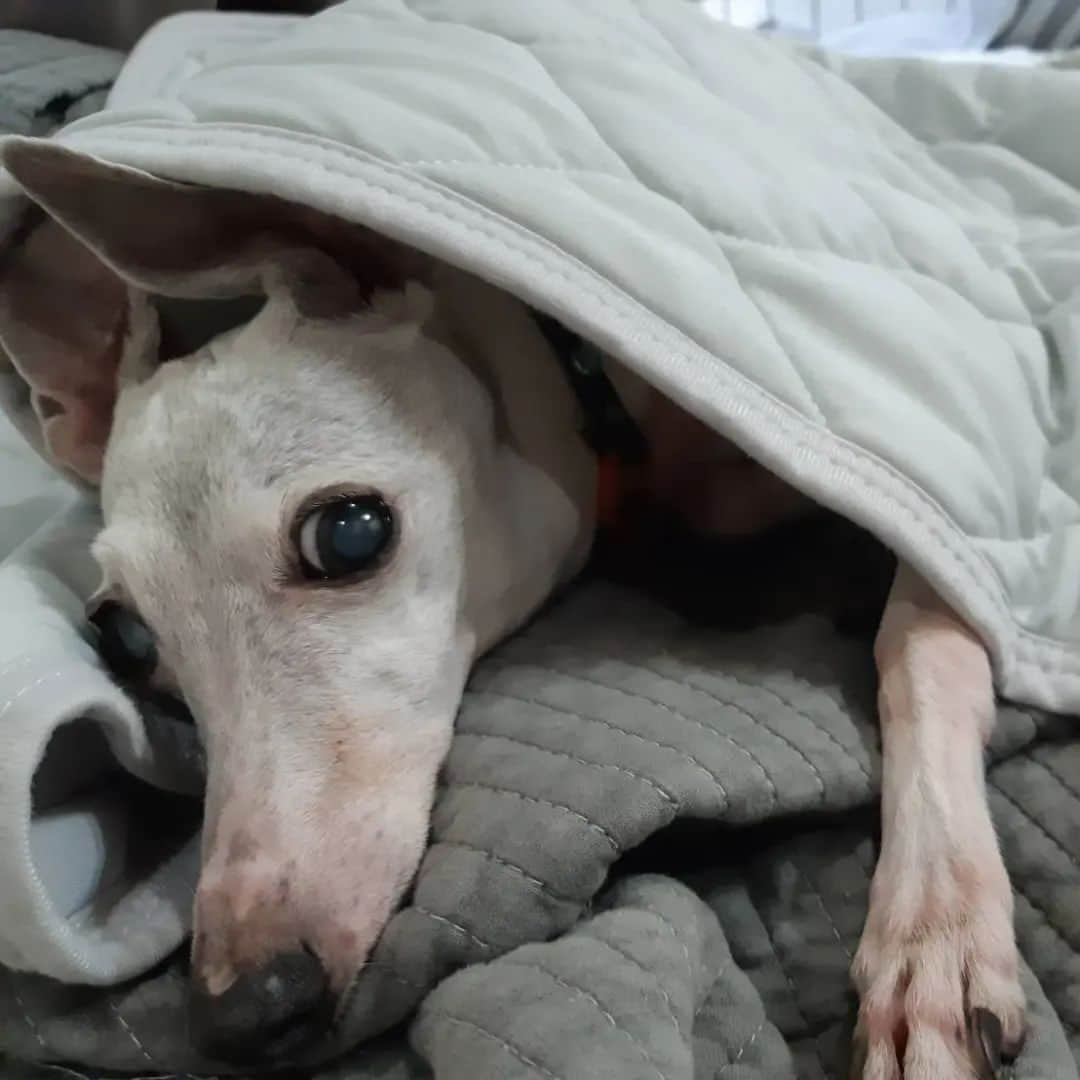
point(862, 272)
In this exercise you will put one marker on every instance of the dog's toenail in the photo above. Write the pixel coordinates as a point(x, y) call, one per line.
point(986, 1039)
point(1011, 1048)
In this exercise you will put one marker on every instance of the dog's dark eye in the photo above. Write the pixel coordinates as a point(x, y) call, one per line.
point(346, 536)
point(126, 644)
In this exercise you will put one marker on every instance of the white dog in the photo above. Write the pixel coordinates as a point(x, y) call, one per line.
point(317, 520)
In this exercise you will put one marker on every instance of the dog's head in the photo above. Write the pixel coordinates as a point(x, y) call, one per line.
point(313, 521)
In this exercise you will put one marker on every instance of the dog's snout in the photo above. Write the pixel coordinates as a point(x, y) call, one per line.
point(266, 1014)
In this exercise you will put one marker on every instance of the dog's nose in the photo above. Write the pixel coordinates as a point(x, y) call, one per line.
point(266, 1014)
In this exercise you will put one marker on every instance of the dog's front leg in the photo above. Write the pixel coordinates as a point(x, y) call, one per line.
point(936, 968)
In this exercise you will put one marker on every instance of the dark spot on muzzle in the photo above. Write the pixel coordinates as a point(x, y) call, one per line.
point(266, 1015)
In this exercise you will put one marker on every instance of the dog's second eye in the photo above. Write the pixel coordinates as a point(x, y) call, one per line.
point(126, 644)
point(344, 537)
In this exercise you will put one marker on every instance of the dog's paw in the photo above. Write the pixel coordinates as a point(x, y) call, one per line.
point(937, 975)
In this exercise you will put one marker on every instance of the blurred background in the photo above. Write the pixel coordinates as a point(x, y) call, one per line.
point(118, 24)
point(863, 26)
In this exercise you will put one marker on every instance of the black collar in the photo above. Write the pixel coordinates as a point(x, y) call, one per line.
point(609, 429)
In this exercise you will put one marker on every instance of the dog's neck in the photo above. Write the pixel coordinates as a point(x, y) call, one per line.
point(537, 504)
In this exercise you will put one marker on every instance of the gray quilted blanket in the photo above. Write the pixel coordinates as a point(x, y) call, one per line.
point(728, 780)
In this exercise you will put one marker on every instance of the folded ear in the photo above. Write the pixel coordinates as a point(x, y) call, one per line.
point(187, 241)
point(74, 315)
point(74, 333)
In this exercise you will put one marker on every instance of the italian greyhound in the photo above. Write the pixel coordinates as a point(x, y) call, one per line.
point(317, 519)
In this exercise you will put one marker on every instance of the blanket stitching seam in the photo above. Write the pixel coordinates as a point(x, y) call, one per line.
point(580, 110)
point(645, 971)
point(705, 1009)
point(693, 720)
point(701, 1007)
point(673, 801)
point(588, 822)
point(578, 106)
point(848, 753)
point(706, 997)
point(510, 1048)
point(1024, 642)
point(590, 719)
point(824, 908)
point(520, 871)
point(115, 1010)
point(1040, 911)
point(787, 353)
point(1050, 924)
point(670, 927)
point(464, 930)
point(900, 265)
point(1030, 817)
point(635, 696)
point(742, 1049)
point(801, 680)
point(1062, 782)
point(574, 988)
point(758, 721)
point(9, 704)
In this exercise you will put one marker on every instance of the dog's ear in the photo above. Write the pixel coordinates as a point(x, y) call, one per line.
point(182, 240)
point(74, 315)
point(74, 332)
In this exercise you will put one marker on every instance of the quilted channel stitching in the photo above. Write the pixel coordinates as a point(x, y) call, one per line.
point(672, 801)
point(763, 688)
point(511, 867)
point(678, 751)
point(639, 966)
point(576, 989)
point(588, 822)
point(671, 710)
point(470, 1025)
